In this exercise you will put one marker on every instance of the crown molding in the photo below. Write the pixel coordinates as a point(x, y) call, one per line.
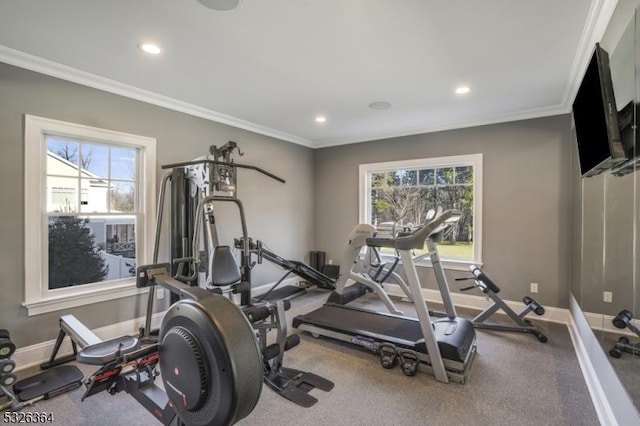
point(597, 20)
point(496, 119)
point(54, 69)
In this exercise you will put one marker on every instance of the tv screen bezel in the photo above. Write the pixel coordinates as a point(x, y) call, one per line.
point(616, 152)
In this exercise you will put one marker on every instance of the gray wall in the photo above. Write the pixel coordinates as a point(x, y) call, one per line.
point(526, 235)
point(281, 215)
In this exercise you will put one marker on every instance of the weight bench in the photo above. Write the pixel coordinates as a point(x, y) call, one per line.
point(491, 290)
point(94, 347)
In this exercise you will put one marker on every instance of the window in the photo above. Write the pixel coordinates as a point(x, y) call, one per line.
point(89, 199)
point(404, 192)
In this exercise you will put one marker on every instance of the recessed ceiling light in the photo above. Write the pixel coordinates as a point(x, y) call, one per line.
point(463, 90)
point(321, 119)
point(380, 105)
point(221, 5)
point(150, 48)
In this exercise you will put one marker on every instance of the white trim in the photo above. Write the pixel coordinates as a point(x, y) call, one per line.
point(34, 355)
point(602, 322)
point(38, 298)
point(54, 69)
point(59, 303)
point(528, 114)
point(471, 301)
point(476, 160)
point(598, 18)
point(263, 288)
point(598, 396)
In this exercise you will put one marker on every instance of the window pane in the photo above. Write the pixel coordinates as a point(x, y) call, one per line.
point(123, 164)
point(377, 180)
point(458, 242)
point(444, 176)
point(427, 177)
point(393, 178)
point(81, 253)
point(464, 175)
point(93, 195)
point(74, 257)
point(122, 197)
point(65, 156)
point(62, 194)
point(95, 159)
point(409, 177)
point(380, 207)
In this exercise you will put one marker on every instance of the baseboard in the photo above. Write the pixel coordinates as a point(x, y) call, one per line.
point(598, 396)
point(470, 301)
point(35, 355)
point(601, 322)
point(262, 289)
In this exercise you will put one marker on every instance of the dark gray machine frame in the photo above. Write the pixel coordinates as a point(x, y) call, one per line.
point(194, 187)
point(199, 262)
point(491, 290)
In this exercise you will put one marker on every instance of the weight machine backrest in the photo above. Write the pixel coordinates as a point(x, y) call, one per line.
point(225, 270)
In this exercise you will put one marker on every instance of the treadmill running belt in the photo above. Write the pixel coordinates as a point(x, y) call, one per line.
point(455, 336)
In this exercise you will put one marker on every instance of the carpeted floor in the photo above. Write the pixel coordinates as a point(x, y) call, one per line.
point(514, 380)
point(626, 367)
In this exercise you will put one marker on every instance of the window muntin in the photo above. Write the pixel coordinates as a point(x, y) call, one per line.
point(98, 183)
point(403, 192)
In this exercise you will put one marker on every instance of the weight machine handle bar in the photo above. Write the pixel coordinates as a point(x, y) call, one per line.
point(223, 163)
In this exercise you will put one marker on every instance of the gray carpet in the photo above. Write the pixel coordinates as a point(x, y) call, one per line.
point(514, 380)
point(626, 367)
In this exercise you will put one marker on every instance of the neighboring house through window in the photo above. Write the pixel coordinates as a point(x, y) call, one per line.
point(404, 192)
point(88, 211)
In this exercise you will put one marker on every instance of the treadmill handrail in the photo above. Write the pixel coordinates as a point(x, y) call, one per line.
point(416, 240)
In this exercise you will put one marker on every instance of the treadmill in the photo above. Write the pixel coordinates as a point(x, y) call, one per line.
point(445, 347)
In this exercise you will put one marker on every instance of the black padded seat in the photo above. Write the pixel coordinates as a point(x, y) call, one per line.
point(107, 351)
point(225, 269)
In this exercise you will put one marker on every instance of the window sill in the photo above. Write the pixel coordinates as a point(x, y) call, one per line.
point(62, 302)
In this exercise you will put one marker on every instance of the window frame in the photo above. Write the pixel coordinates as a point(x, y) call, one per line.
point(474, 160)
point(38, 298)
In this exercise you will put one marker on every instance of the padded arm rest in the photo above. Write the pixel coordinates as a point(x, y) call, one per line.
point(105, 352)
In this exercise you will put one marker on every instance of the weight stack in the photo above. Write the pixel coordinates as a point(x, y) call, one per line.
point(316, 260)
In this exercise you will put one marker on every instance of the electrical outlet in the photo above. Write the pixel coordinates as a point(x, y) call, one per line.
point(607, 296)
point(159, 293)
point(534, 287)
point(330, 262)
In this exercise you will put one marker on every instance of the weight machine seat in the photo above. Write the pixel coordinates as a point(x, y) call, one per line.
point(107, 351)
point(225, 270)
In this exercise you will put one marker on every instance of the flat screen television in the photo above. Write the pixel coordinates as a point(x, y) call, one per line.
point(596, 118)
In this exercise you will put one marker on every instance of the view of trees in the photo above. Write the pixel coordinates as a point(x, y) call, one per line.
point(73, 257)
point(69, 152)
point(405, 196)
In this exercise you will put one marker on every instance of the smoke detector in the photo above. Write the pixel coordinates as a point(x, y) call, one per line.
point(221, 5)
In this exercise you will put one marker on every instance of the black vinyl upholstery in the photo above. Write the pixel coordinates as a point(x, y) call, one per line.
point(225, 269)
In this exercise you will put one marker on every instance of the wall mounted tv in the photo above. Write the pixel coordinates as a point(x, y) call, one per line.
point(596, 118)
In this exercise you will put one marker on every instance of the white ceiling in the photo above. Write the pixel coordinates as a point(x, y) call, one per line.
point(271, 66)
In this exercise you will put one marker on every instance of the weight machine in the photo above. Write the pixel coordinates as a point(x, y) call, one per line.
point(199, 261)
point(491, 290)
